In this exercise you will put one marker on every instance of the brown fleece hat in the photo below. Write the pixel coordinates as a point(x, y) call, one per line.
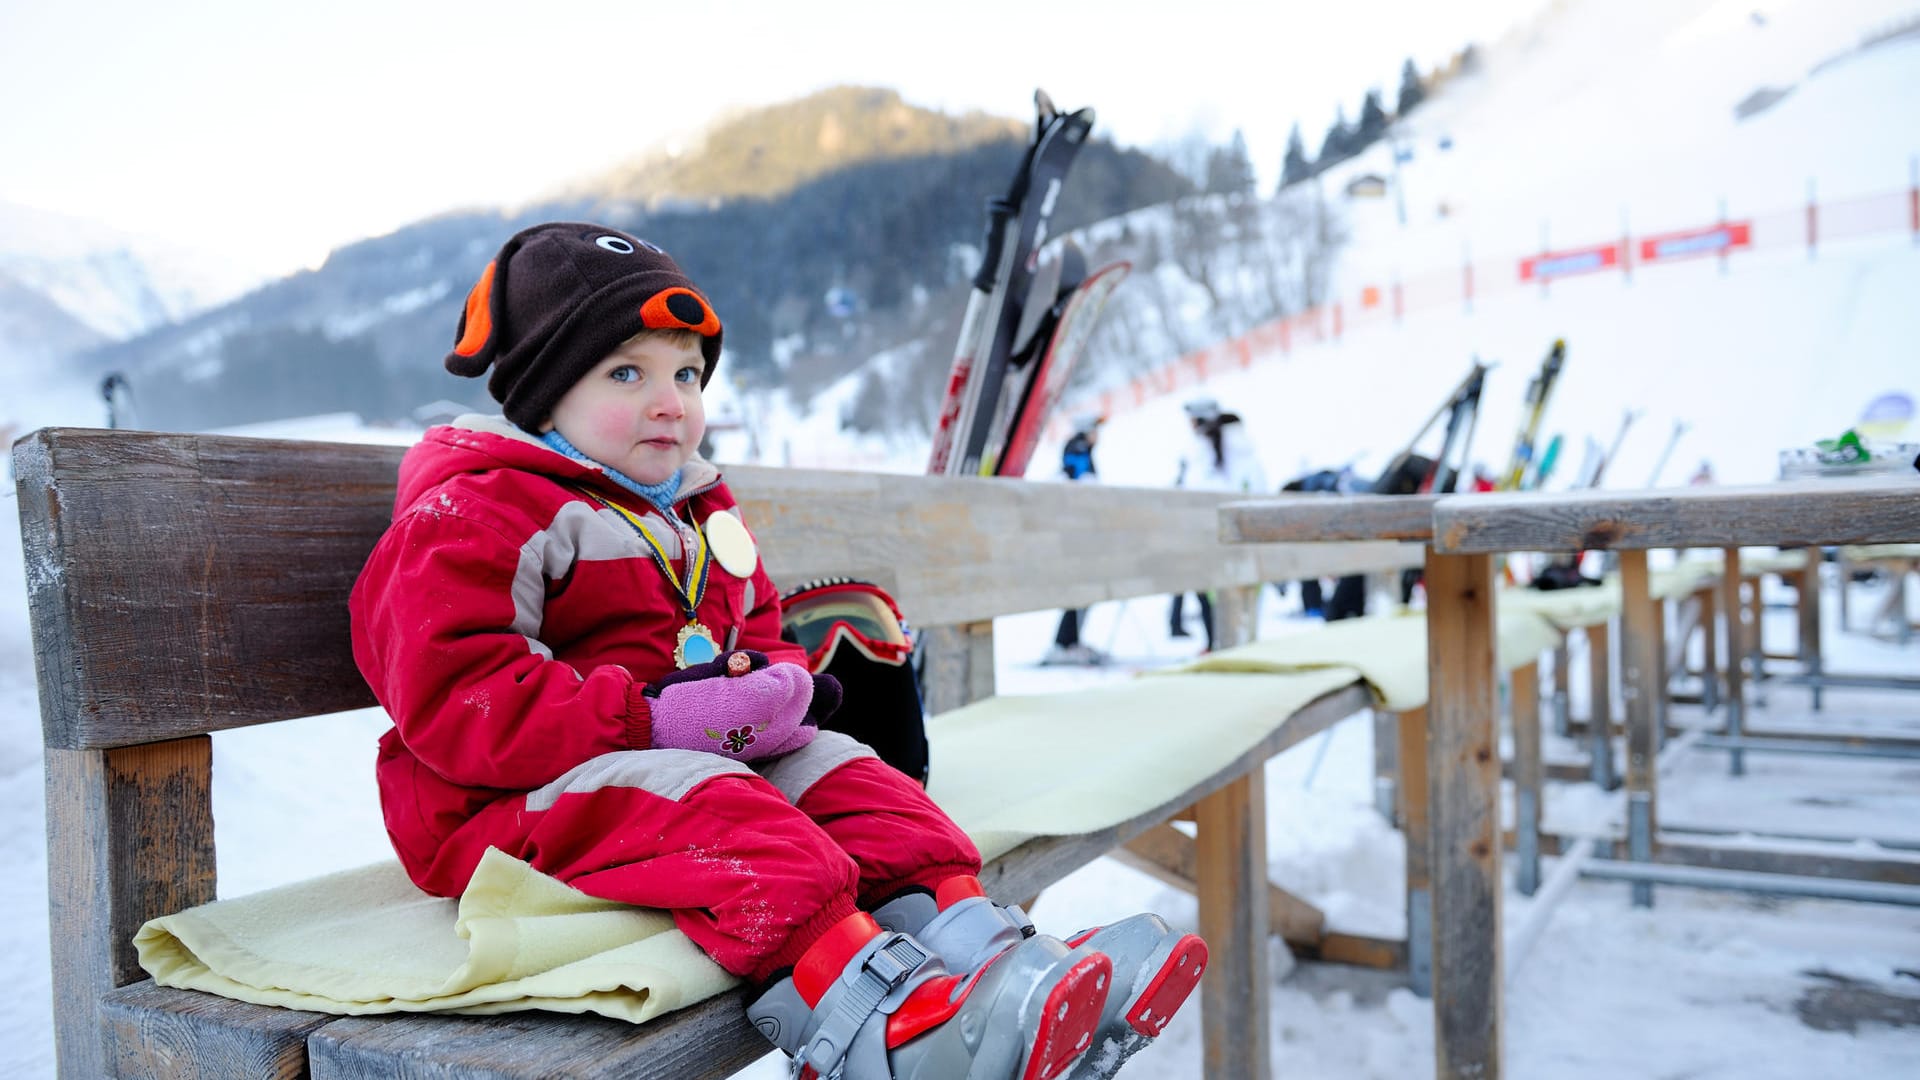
point(559, 298)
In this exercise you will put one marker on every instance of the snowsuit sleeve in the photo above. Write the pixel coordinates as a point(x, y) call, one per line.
point(455, 658)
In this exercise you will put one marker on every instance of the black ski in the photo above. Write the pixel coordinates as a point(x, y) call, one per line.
point(1016, 230)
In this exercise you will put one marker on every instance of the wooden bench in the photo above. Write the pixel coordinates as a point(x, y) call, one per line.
point(181, 585)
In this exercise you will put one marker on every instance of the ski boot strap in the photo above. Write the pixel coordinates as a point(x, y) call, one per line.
point(856, 995)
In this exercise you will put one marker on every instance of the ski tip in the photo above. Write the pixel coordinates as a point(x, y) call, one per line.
point(1043, 105)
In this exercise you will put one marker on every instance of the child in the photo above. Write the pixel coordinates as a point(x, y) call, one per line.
point(581, 653)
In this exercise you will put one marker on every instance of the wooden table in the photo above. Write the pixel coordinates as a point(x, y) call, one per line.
point(1464, 534)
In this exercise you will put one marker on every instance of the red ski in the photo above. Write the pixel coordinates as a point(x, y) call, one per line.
point(1077, 313)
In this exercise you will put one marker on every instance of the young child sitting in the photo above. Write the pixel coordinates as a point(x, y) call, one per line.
point(570, 626)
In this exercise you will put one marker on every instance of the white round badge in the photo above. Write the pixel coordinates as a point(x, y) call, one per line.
point(731, 544)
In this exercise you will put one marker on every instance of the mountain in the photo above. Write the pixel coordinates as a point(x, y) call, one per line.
point(848, 192)
point(766, 153)
point(115, 283)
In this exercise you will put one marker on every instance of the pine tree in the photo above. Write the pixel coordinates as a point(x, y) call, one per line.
point(1338, 145)
point(1373, 121)
point(1296, 167)
point(1229, 169)
point(1412, 90)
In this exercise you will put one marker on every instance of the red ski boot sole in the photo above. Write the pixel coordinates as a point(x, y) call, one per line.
point(1070, 1017)
point(1169, 987)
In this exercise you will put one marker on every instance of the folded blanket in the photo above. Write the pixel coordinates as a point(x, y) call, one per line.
point(1388, 651)
point(1007, 769)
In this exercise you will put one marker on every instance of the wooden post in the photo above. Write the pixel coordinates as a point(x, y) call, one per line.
point(1464, 772)
point(1231, 850)
point(1527, 775)
point(1418, 830)
point(1386, 743)
point(1756, 640)
point(1600, 706)
point(959, 665)
point(1809, 611)
point(1236, 615)
point(1709, 649)
point(1732, 612)
point(153, 801)
point(1561, 721)
point(1640, 685)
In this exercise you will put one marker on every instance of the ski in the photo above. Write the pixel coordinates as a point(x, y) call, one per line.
point(1537, 478)
point(1679, 429)
point(1539, 390)
point(1613, 452)
point(1044, 367)
point(1464, 407)
point(1016, 230)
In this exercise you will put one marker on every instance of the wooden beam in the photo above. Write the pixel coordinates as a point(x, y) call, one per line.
point(1232, 868)
point(159, 546)
point(1528, 773)
point(1170, 855)
point(1600, 706)
point(129, 838)
point(1642, 686)
point(1320, 518)
point(1464, 770)
point(958, 666)
point(1732, 614)
point(1796, 513)
point(1684, 848)
point(707, 1041)
point(1417, 826)
point(155, 1031)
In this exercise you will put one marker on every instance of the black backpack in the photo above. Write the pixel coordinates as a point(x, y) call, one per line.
point(853, 631)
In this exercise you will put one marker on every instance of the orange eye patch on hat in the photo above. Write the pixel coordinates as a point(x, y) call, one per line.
point(557, 299)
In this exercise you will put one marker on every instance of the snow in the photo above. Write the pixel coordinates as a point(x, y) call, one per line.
point(1594, 108)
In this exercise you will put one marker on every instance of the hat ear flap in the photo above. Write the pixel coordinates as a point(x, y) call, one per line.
point(472, 348)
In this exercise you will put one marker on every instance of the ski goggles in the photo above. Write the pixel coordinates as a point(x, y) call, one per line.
point(821, 615)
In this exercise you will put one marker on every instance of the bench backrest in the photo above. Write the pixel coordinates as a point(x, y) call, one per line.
point(182, 584)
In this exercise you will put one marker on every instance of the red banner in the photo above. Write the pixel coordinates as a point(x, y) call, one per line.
point(1692, 243)
point(1554, 264)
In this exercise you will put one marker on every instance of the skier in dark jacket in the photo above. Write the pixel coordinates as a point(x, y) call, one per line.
point(1076, 464)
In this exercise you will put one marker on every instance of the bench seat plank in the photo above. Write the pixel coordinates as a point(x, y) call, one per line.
point(154, 1030)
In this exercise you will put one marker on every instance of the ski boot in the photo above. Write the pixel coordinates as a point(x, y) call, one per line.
point(1155, 967)
point(865, 1003)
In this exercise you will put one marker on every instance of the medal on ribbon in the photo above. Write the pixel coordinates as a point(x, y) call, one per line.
point(694, 644)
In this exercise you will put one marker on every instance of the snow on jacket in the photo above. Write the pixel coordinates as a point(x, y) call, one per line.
point(507, 623)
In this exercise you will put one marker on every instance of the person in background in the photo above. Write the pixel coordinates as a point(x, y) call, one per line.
point(1220, 457)
point(1076, 464)
point(1329, 481)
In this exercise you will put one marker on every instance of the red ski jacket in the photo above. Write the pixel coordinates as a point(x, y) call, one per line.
point(507, 623)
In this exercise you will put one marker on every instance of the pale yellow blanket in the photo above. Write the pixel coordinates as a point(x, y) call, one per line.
point(1388, 651)
point(1591, 605)
point(1007, 769)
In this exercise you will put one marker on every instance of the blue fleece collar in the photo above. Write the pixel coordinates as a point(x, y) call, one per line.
point(662, 494)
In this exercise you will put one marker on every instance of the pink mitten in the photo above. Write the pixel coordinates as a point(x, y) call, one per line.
point(741, 706)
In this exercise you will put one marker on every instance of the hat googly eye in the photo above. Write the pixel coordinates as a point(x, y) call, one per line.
point(615, 243)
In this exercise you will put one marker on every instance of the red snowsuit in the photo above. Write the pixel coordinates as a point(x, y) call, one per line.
point(508, 624)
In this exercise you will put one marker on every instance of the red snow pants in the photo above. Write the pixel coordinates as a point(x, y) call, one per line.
point(754, 863)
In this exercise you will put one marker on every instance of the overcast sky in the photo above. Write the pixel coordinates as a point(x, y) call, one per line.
point(270, 133)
